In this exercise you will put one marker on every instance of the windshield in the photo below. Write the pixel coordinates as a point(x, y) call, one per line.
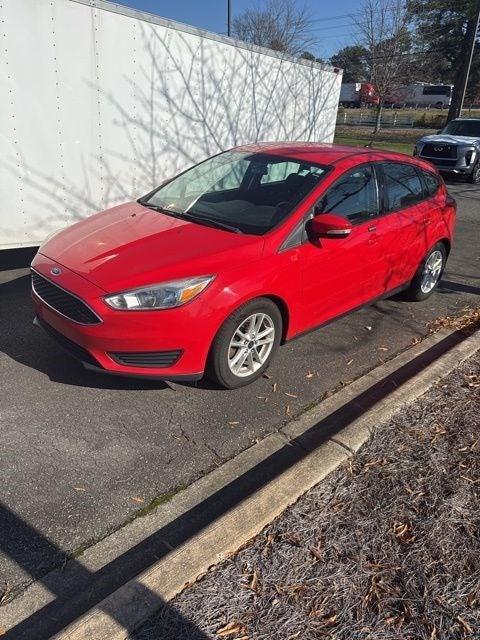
point(463, 128)
point(246, 192)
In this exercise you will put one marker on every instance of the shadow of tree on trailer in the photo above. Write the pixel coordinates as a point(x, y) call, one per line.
point(191, 100)
point(226, 102)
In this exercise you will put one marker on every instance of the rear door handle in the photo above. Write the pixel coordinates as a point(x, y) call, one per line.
point(427, 220)
point(372, 228)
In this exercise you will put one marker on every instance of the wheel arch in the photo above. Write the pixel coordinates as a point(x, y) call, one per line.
point(277, 300)
point(284, 310)
point(447, 244)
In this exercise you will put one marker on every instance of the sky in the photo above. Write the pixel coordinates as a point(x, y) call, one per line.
point(330, 22)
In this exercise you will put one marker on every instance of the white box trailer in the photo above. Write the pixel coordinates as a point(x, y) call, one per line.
point(100, 103)
point(350, 93)
point(421, 94)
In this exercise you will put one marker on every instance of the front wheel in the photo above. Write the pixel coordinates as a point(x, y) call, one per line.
point(429, 273)
point(246, 344)
point(474, 177)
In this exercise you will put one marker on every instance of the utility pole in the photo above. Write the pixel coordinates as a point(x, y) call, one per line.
point(229, 18)
point(461, 77)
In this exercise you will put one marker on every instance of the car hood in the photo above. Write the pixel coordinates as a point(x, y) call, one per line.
point(129, 246)
point(447, 139)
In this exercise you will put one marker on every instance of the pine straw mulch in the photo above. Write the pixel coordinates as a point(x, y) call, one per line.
point(387, 547)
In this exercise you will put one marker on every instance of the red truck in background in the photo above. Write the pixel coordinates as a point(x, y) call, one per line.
point(358, 94)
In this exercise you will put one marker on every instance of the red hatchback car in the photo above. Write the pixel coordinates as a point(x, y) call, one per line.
point(214, 269)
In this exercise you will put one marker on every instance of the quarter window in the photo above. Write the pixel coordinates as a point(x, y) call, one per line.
point(354, 196)
point(431, 183)
point(402, 185)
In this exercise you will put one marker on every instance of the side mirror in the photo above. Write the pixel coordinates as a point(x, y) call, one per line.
point(328, 225)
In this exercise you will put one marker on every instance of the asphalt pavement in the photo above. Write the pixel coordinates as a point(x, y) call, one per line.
point(80, 452)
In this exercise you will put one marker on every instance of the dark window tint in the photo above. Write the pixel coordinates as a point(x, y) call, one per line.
point(469, 128)
point(437, 90)
point(432, 182)
point(354, 196)
point(403, 186)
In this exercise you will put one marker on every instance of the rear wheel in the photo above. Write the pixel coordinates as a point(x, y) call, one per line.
point(246, 344)
point(428, 274)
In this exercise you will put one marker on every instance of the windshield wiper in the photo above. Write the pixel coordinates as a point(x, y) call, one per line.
point(160, 209)
point(211, 222)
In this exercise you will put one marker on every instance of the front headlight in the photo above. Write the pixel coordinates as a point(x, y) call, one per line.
point(470, 156)
point(159, 296)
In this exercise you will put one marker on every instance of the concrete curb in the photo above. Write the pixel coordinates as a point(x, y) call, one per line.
point(371, 400)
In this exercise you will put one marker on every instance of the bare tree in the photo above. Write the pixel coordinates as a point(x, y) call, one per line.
point(383, 31)
point(280, 25)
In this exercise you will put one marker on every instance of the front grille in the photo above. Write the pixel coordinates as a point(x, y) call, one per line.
point(439, 151)
point(69, 346)
point(62, 301)
point(158, 359)
point(442, 162)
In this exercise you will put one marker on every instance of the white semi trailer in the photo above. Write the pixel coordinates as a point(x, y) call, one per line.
point(100, 103)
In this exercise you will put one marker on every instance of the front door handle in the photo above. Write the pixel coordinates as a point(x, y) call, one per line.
point(427, 220)
point(374, 238)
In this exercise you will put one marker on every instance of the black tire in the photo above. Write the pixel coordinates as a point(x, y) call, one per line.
point(474, 177)
point(218, 368)
point(415, 292)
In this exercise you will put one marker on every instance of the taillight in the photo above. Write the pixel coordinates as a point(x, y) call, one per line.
point(451, 202)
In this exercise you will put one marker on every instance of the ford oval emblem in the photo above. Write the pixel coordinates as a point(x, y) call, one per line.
point(55, 271)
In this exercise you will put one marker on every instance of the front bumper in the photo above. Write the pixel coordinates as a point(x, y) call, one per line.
point(89, 363)
point(187, 332)
point(463, 164)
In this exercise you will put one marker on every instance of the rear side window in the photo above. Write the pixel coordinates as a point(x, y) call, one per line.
point(402, 186)
point(432, 183)
point(354, 196)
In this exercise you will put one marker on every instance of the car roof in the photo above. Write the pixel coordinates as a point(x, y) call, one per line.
point(321, 153)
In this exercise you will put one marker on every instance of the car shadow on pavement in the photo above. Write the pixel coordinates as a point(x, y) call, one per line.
point(32, 347)
point(16, 258)
point(86, 589)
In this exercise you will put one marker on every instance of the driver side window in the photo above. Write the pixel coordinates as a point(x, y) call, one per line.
point(354, 196)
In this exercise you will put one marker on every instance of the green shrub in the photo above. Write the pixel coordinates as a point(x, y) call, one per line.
point(431, 120)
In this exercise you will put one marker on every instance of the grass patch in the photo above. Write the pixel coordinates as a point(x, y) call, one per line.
point(140, 513)
point(388, 139)
point(388, 144)
point(153, 504)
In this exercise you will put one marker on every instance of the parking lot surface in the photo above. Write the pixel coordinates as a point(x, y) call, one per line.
point(80, 452)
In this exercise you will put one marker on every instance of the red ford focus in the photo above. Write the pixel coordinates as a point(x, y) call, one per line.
point(213, 270)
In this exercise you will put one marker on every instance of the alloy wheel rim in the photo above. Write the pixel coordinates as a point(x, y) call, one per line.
point(431, 271)
point(251, 345)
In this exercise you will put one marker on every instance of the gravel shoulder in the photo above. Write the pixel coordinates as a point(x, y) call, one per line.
point(388, 547)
